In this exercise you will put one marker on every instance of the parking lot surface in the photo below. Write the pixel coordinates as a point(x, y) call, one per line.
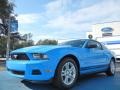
point(89, 82)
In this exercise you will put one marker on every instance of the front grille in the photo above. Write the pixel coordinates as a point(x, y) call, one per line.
point(19, 56)
point(18, 72)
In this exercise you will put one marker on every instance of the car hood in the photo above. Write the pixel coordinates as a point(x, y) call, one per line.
point(41, 48)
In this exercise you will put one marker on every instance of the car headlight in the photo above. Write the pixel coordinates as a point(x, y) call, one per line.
point(39, 56)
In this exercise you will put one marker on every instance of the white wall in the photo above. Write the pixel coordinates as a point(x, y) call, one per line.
point(96, 28)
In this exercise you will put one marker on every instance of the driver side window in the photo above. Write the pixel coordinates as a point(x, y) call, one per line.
point(98, 45)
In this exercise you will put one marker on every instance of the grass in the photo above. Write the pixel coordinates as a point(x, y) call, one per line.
point(2, 66)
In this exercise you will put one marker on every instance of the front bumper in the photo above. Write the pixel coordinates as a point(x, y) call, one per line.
point(30, 70)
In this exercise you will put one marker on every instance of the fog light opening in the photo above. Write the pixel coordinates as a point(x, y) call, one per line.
point(36, 72)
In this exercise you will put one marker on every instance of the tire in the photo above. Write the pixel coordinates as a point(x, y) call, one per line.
point(111, 69)
point(66, 74)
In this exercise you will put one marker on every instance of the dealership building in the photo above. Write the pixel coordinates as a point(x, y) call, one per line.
point(109, 34)
point(106, 29)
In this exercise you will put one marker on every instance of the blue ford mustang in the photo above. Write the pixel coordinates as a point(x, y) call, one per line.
point(61, 63)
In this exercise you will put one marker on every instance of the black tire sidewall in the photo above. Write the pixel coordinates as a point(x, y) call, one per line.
point(114, 67)
point(109, 73)
point(58, 73)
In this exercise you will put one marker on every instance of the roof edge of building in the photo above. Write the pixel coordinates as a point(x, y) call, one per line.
point(106, 22)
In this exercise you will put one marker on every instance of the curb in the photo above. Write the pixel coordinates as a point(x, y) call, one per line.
point(2, 60)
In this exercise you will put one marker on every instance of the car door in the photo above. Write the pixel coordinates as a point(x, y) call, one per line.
point(95, 57)
point(100, 56)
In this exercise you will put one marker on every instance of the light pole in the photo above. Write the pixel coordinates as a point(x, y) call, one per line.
point(8, 39)
point(12, 26)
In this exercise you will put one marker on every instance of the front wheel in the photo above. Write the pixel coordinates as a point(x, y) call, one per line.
point(66, 74)
point(111, 69)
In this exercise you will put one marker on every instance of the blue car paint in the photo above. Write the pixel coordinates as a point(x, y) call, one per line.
point(90, 60)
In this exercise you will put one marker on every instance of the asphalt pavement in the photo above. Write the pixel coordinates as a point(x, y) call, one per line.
point(89, 82)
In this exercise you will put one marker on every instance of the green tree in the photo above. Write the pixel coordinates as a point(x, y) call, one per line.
point(15, 43)
point(3, 41)
point(47, 42)
point(27, 36)
point(25, 42)
point(6, 9)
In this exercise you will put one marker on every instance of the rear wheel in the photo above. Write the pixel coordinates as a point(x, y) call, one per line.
point(111, 69)
point(66, 74)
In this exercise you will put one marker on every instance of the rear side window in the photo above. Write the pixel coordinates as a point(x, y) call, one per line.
point(99, 46)
point(104, 47)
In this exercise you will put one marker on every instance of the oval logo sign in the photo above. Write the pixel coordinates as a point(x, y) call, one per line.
point(107, 29)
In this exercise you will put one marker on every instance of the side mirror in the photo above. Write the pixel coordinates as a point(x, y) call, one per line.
point(92, 46)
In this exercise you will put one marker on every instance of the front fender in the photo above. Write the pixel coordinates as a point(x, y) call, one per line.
point(57, 55)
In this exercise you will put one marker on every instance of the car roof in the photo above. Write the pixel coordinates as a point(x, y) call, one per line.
point(82, 39)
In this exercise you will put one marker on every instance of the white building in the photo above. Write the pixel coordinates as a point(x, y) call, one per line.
point(105, 29)
point(108, 34)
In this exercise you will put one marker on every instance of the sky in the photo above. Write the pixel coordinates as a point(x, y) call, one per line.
point(63, 19)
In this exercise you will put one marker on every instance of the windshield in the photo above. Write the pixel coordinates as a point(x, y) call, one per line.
point(74, 43)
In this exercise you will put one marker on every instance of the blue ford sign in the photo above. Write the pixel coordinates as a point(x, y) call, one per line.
point(107, 29)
